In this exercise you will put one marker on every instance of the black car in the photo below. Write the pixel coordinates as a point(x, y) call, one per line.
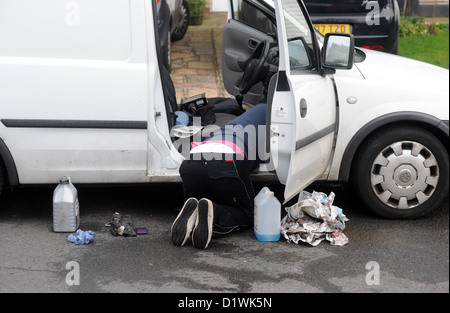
point(375, 24)
point(173, 22)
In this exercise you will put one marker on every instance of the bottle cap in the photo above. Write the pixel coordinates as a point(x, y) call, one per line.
point(64, 180)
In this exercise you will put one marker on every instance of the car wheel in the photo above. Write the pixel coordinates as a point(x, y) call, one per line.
point(401, 173)
point(181, 26)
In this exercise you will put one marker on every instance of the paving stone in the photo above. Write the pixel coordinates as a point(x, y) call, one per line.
point(197, 60)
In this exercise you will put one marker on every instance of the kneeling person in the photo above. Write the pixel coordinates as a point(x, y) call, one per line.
point(216, 181)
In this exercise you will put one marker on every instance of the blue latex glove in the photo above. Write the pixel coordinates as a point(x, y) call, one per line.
point(182, 118)
point(82, 237)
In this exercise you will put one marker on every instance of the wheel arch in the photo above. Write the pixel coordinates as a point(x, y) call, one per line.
point(430, 123)
point(9, 164)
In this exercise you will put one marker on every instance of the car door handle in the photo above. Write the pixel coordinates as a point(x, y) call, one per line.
point(252, 43)
point(303, 108)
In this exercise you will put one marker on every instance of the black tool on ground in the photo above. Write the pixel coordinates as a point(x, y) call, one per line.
point(121, 225)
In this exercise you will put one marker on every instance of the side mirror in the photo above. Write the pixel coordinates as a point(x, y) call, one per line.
point(338, 51)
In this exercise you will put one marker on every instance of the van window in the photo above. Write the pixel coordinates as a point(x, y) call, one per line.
point(300, 38)
point(250, 15)
point(81, 29)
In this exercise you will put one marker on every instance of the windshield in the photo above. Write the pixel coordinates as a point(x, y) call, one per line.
point(319, 36)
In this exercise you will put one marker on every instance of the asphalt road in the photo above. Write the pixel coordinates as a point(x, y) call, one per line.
point(382, 256)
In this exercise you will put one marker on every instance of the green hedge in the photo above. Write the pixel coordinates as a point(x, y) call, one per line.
point(417, 26)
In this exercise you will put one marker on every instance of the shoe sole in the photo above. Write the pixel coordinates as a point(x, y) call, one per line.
point(202, 233)
point(184, 223)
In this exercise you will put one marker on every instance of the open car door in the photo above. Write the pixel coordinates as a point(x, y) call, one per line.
point(249, 24)
point(304, 110)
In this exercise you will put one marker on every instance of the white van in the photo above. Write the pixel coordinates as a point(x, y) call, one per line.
point(82, 95)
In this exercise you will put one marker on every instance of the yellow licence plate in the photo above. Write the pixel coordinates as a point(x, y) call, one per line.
point(332, 28)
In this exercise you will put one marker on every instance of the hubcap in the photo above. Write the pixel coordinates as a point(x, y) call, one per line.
point(405, 175)
point(182, 23)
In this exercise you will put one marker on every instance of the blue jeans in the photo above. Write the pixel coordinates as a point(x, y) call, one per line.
point(244, 131)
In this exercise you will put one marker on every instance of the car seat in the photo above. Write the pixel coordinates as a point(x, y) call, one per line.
point(225, 109)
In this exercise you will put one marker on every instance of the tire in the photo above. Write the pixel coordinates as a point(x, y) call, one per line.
point(2, 177)
point(401, 172)
point(182, 25)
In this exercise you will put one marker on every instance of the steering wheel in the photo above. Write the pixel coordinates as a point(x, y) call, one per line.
point(254, 67)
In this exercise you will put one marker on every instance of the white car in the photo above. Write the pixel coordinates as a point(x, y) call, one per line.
point(83, 94)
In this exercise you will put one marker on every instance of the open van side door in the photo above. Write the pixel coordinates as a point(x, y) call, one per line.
point(304, 110)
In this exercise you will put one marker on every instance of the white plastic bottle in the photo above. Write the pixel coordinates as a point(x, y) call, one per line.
point(66, 208)
point(267, 223)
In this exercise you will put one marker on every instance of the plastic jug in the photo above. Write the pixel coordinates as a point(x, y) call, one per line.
point(267, 223)
point(66, 208)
